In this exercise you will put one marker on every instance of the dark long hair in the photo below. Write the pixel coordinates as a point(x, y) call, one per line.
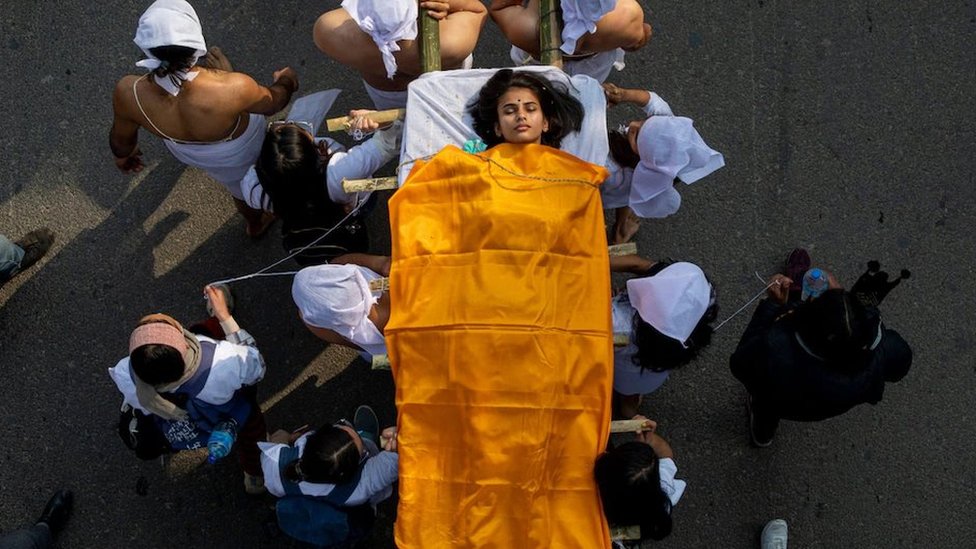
point(658, 352)
point(630, 489)
point(330, 457)
point(838, 328)
point(293, 178)
point(174, 59)
point(620, 149)
point(563, 111)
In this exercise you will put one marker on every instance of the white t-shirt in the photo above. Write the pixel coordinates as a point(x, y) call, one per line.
point(615, 191)
point(358, 162)
point(234, 366)
point(673, 487)
point(375, 484)
point(629, 378)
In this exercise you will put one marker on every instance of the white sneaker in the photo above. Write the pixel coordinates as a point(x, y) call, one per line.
point(774, 534)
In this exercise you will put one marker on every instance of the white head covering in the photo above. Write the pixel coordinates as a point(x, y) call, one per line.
point(335, 297)
point(673, 301)
point(169, 23)
point(669, 148)
point(385, 21)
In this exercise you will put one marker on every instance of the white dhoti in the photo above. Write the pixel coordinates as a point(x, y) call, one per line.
point(384, 100)
point(596, 66)
point(225, 161)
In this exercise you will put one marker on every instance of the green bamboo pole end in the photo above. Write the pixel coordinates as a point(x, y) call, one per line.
point(430, 43)
point(550, 36)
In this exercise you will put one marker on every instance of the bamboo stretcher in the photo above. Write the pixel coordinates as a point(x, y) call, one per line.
point(550, 39)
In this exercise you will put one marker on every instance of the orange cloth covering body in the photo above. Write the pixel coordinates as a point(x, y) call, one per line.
point(500, 340)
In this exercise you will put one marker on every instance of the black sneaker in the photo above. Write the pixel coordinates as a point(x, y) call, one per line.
point(35, 244)
point(366, 423)
point(56, 512)
point(759, 440)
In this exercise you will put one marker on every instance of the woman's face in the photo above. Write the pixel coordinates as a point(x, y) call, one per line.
point(632, 130)
point(520, 117)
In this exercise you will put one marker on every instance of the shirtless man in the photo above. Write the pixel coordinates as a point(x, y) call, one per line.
point(209, 117)
point(595, 34)
point(339, 36)
point(622, 27)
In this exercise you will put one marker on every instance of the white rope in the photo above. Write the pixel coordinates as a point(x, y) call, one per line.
point(757, 296)
point(264, 272)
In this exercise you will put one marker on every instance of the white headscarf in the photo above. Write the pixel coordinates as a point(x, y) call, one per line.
point(337, 298)
point(385, 21)
point(669, 148)
point(673, 301)
point(169, 23)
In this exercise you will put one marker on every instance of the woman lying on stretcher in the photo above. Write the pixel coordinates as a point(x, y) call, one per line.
point(524, 107)
point(299, 177)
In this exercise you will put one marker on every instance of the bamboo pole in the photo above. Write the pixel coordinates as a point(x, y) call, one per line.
point(369, 185)
point(342, 123)
point(379, 284)
point(550, 37)
point(625, 533)
point(430, 42)
point(627, 248)
point(628, 425)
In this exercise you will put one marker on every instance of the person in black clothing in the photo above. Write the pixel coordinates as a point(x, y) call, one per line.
point(814, 360)
point(40, 535)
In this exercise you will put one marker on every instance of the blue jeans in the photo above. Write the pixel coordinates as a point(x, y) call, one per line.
point(35, 537)
point(10, 257)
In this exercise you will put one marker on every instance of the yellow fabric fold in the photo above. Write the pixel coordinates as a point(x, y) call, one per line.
point(501, 345)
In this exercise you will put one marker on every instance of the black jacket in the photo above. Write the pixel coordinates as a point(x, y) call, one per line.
point(794, 384)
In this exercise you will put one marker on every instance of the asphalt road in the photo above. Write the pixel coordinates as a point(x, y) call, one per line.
point(848, 128)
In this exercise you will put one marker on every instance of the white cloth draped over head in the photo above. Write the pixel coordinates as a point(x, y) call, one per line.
point(580, 17)
point(169, 23)
point(386, 22)
point(338, 298)
point(673, 301)
point(670, 148)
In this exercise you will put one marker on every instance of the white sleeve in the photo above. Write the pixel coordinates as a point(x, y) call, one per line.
point(361, 161)
point(673, 487)
point(657, 106)
point(376, 482)
point(270, 453)
point(253, 192)
point(252, 366)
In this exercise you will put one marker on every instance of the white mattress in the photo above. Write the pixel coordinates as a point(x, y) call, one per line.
point(436, 104)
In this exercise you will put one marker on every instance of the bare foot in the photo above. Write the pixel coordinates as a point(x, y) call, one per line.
point(215, 59)
point(257, 228)
point(625, 226)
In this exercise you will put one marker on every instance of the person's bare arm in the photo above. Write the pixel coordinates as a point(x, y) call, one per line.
point(379, 264)
point(650, 437)
point(519, 23)
point(616, 95)
point(258, 99)
point(123, 138)
point(630, 264)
